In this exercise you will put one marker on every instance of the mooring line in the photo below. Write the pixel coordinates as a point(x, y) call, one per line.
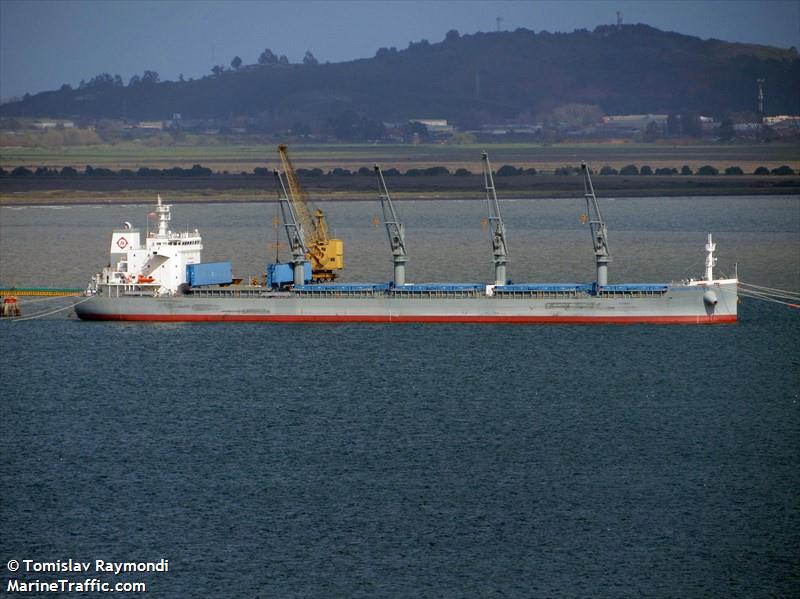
point(21, 318)
point(765, 298)
point(768, 291)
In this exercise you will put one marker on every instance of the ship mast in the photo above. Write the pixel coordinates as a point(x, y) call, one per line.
point(294, 231)
point(163, 215)
point(710, 259)
point(496, 227)
point(395, 230)
point(598, 228)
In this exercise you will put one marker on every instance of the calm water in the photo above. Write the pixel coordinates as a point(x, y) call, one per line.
point(414, 461)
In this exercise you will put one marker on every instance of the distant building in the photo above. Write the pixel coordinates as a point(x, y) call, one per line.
point(784, 119)
point(626, 125)
point(435, 126)
point(708, 124)
point(745, 128)
point(633, 122)
point(511, 129)
point(55, 124)
point(783, 125)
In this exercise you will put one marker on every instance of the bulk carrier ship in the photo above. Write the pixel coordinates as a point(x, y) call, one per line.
point(164, 279)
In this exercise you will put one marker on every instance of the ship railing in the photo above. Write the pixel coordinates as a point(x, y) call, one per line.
point(235, 292)
point(641, 290)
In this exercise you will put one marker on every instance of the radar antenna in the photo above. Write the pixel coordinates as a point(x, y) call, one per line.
point(496, 227)
point(598, 228)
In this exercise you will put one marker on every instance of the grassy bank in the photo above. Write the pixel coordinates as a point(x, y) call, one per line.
point(236, 158)
point(67, 190)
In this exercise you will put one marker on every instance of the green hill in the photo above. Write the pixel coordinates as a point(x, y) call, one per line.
point(469, 80)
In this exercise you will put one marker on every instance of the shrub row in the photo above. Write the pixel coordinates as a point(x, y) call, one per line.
point(706, 170)
point(504, 171)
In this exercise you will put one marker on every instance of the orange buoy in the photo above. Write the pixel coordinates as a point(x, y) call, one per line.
point(10, 307)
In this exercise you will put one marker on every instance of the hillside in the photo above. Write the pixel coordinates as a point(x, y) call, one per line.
point(469, 80)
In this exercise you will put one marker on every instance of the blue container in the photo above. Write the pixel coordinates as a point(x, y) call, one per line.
point(209, 273)
point(281, 274)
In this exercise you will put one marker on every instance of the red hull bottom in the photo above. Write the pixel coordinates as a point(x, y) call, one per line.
point(722, 319)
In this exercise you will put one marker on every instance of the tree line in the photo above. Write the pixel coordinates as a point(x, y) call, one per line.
point(107, 80)
point(506, 170)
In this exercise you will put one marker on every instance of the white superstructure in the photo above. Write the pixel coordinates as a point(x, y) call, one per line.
point(156, 268)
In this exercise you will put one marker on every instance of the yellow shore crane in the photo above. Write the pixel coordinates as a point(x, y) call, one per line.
point(326, 254)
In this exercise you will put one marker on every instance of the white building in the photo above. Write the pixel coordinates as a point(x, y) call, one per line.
point(634, 122)
point(435, 126)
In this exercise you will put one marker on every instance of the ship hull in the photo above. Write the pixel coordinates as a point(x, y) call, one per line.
point(681, 304)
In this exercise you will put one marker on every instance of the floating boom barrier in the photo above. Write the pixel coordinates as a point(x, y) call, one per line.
point(40, 291)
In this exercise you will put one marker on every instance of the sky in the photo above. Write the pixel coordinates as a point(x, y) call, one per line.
point(44, 43)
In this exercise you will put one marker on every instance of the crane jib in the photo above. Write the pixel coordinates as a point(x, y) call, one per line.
point(326, 255)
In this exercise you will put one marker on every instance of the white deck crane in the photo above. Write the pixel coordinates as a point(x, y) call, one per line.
point(395, 230)
point(598, 228)
point(497, 228)
point(294, 231)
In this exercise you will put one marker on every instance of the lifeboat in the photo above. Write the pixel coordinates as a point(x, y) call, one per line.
point(145, 279)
